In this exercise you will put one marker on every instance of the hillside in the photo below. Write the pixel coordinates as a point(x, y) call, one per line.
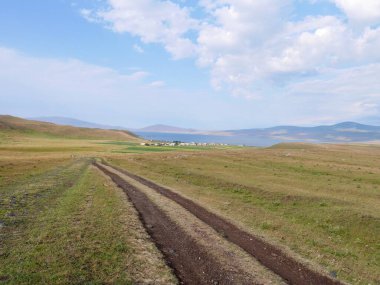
point(10, 123)
point(64, 121)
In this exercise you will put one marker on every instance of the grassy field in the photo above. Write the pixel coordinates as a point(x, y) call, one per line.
point(321, 202)
point(63, 222)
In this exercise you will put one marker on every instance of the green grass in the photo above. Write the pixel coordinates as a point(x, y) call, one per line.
point(305, 199)
point(137, 148)
point(77, 241)
point(64, 223)
point(143, 149)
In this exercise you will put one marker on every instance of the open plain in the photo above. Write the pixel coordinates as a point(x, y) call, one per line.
point(62, 220)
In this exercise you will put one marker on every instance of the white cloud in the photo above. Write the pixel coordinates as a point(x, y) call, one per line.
point(138, 48)
point(157, 84)
point(69, 78)
point(138, 75)
point(351, 93)
point(354, 82)
point(310, 44)
point(152, 21)
point(241, 57)
point(33, 86)
point(367, 11)
point(237, 26)
point(252, 46)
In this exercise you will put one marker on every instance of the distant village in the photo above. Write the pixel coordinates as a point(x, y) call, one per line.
point(179, 143)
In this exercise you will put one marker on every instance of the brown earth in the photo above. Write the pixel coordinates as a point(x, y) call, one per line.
point(191, 262)
point(206, 271)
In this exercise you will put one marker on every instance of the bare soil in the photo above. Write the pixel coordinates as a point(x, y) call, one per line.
point(192, 263)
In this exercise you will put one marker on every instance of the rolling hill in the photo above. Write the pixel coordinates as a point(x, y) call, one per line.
point(342, 132)
point(346, 132)
point(73, 128)
point(31, 127)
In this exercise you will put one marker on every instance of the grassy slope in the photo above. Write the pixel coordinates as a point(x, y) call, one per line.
point(320, 201)
point(11, 126)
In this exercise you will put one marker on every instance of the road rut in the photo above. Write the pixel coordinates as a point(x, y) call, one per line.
point(290, 269)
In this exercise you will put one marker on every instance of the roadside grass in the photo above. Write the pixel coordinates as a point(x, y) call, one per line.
point(26, 190)
point(17, 170)
point(36, 147)
point(69, 225)
point(320, 202)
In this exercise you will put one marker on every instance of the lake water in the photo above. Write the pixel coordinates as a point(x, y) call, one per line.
point(231, 140)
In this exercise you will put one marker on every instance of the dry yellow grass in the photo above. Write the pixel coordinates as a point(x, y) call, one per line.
point(230, 256)
point(11, 125)
point(320, 201)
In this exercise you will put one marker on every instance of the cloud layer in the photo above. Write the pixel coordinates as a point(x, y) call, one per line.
point(36, 86)
point(252, 47)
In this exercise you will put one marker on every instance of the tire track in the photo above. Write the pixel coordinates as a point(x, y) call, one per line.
point(191, 262)
point(275, 259)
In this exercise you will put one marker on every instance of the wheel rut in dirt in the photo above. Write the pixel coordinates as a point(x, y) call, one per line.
point(272, 257)
point(191, 262)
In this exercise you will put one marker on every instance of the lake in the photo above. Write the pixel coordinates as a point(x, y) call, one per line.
point(231, 140)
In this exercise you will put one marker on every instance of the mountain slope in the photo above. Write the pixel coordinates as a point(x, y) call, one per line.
point(75, 123)
point(165, 129)
point(342, 132)
point(10, 123)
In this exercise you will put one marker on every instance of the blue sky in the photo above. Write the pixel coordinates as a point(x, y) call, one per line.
point(209, 64)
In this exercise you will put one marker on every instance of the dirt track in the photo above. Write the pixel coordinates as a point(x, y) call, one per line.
point(192, 263)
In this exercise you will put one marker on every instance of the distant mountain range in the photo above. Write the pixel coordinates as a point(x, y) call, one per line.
point(159, 128)
point(342, 132)
point(64, 121)
point(165, 129)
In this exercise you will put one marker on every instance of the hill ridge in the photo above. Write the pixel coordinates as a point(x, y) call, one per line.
point(12, 123)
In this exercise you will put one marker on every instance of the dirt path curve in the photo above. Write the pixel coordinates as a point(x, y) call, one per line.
point(290, 269)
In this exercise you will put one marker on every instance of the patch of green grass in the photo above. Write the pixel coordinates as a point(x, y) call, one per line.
point(120, 143)
point(73, 242)
point(79, 233)
point(23, 195)
point(144, 149)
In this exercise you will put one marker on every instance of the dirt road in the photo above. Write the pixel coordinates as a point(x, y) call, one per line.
point(203, 248)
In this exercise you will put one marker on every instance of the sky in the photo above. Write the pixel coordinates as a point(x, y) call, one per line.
point(207, 64)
